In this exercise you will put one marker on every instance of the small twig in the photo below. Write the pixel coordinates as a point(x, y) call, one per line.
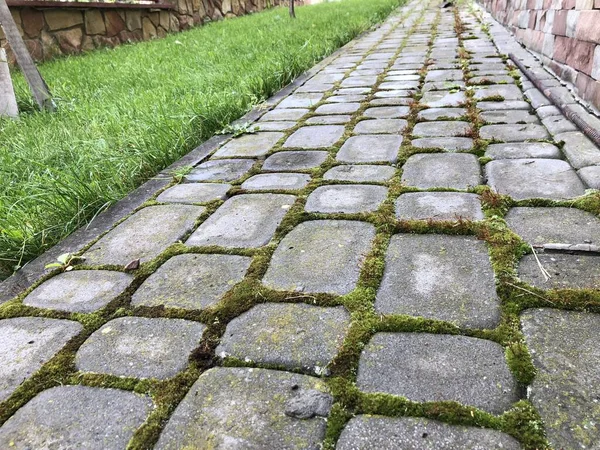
point(544, 271)
point(530, 292)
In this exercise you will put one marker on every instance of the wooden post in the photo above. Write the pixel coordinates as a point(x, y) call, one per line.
point(292, 9)
point(8, 102)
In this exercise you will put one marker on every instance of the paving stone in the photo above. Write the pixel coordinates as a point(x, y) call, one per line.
point(315, 136)
point(566, 271)
point(315, 87)
point(441, 277)
point(513, 132)
point(220, 170)
point(508, 116)
point(558, 124)
point(302, 100)
point(27, 344)
point(191, 281)
point(450, 144)
point(442, 129)
point(383, 126)
point(548, 111)
point(358, 81)
point(507, 104)
point(412, 433)
point(370, 149)
point(394, 94)
point(275, 126)
point(398, 85)
point(346, 98)
point(441, 170)
point(338, 108)
point(536, 98)
point(140, 347)
point(284, 114)
point(564, 349)
point(405, 77)
point(534, 178)
point(257, 144)
point(329, 120)
point(441, 113)
point(444, 75)
point(352, 91)
point(276, 181)
point(519, 150)
point(360, 173)
point(144, 234)
point(438, 206)
point(387, 112)
point(443, 86)
point(243, 221)
point(580, 150)
point(81, 417)
point(507, 91)
point(346, 199)
point(282, 161)
point(194, 193)
point(492, 79)
point(591, 176)
point(320, 256)
point(391, 101)
point(440, 99)
point(82, 291)
point(433, 367)
point(249, 408)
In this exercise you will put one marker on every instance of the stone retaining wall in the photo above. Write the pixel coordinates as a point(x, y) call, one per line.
point(564, 33)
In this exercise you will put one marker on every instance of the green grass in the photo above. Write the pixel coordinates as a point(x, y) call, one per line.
point(126, 113)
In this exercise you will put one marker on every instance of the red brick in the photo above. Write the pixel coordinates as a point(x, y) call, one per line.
point(581, 56)
point(588, 26)
point(562, 48)
point(559, 27)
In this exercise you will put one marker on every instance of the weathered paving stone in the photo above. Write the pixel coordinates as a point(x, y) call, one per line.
point(438, 206)
point(507, 104)
point(320, 256)
point(346, 98)
point(370, 149)
point(274, 126)
point(591, 176)
point(444, 75)
point(276, 181)
point(493, 79)
point(79, 417)
point(329, 120)
point(566, 271)
point(284, 114)
point(442, 170)
point(534, 178)
point(442, 86)
point(338, 108)
point(519, 150)
point(507, 91)
point(144, 235)
point(191, 281)
point(513, 132)
point(442, 129)
point(435, 367)
point(140, 347)
point(359, 81)
point(399, 85)
point(440, 99)
point(315, 136)
point(27, 344)
point(383, 126)
point(360, 173)
point(82, 291)
point(347, 199)
point(441, 277)
point(450, 144)
point(301, 100)
point(580, 150)
point(391, 101)
point(257, 144)
point(249, 408)
point(508, 116)
point(300, 160)
point(243, 221)
point(296, 336)
point(441, 113)
point(387, 112)
point(558, 124)
point(412, 433)
point(194, 193)
point(352, 91)
point(220, 170)
point(565, 390)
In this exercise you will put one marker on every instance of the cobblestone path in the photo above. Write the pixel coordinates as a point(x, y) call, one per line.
point(375, 268)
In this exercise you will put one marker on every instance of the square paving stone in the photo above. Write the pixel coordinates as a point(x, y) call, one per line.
point(513, 132)
point(139, 347)
point(301, 100)
point(320, 256)
point(194, 193)
point(27, 344)
point(442, 129)
point(441, 170)
point(412, 433)
point(192, 281)
point(438, 206)
point(296, 336)
point(439, 277)
point(440, 99)
point(435, 367)
point(508, 116)
point(220, 170)
point(449, 144)
point(360, 173)
point(565, 390)
point(387, 112)
point(370, 149)
point(300, 160)
point(144, 234)
point(284, 114)
point(251, 409)
point(338, 108)
point(257, 144)
point(346, 199)
point(321, 136)
point(329, 120)
point(381, 126)
point(82, 291)
point(243, 221)
point(276, 182)
point(441, 113)
point(76, 417)
point(519, 150)
point(566, 271)
point(534, 178)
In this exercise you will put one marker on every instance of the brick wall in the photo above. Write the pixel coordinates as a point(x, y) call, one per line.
point(564, 33)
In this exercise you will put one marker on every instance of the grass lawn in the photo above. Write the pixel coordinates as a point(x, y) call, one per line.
point(125, 114)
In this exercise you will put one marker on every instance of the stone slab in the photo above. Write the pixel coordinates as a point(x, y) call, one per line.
point(508, 116)
point(370, 149)
point(194, 193)
point(441, 170)
point(441, 99)
point(449, 144)
point(321, 136)
point(360, 173)
point(355, 98)
point(387, 112)
point(441, 113)
point(580, 150)
point(256, 144)
point(346, 199)
point(590, 176)
point(301, 100)
point(507, 91)
point(513, 132)
point(558, 124)
point(329, 120)
point(284, 114)
point(444, 75)
point(276, 182)
point(438, 206)
point(299, 160)
point(220, 170)
point(275, 126)
point(381, 126)
point(442, 129)
point(520, 150)
point(507, 104)
point(566, 271)
point(338, 108)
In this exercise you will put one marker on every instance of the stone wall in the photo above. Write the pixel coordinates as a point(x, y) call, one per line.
point(564, 33)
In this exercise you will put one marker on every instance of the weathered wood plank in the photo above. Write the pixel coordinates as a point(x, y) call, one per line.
point(8, 102)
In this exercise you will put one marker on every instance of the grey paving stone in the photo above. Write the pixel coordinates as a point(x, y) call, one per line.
point(194, 193)
point(329, 120)
point(558, 124)
point(441, 113)
point(257, 144)
point(27, 344)
point(442, 129)
point(536, 98)
point(383, 126)
point(346, 98)
point(359, 81)
point(295, 336)
point(441, 277)
point(441, 170)
point(391, 101)
point(352, 91)
point(440, 99)
point(438, 206)
point(412, 433)
point(387, 112)
point(144, 234)
point(76, 417)
point(566, 271)
point(360, 173)
point(507, 104)
point(444, 75)
point(443, 86)
point(370, 149)
point(434, 367)
point(534, 178)
point(450, 144)
point(394, 94)
point(249, 408)
point(284, 114)
point(140, 347)
point(405, 77)
point(564, 349)
point(548, 111)
point(519, 150)
point(82, 291)
point(513, 132)
point(315, 136)
point(492, 79)
point(508, 116)
point(580, 151)
point(507, 91)
point(591, 176)
point(191, 281)
point(243, 221)
point(220, 170)
point(338, 108)
point(274, 126)
point(276, 181)
point(301, 100)
point(349, 198)
point(300, 160)
point(320, 256)
point(399, 85)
